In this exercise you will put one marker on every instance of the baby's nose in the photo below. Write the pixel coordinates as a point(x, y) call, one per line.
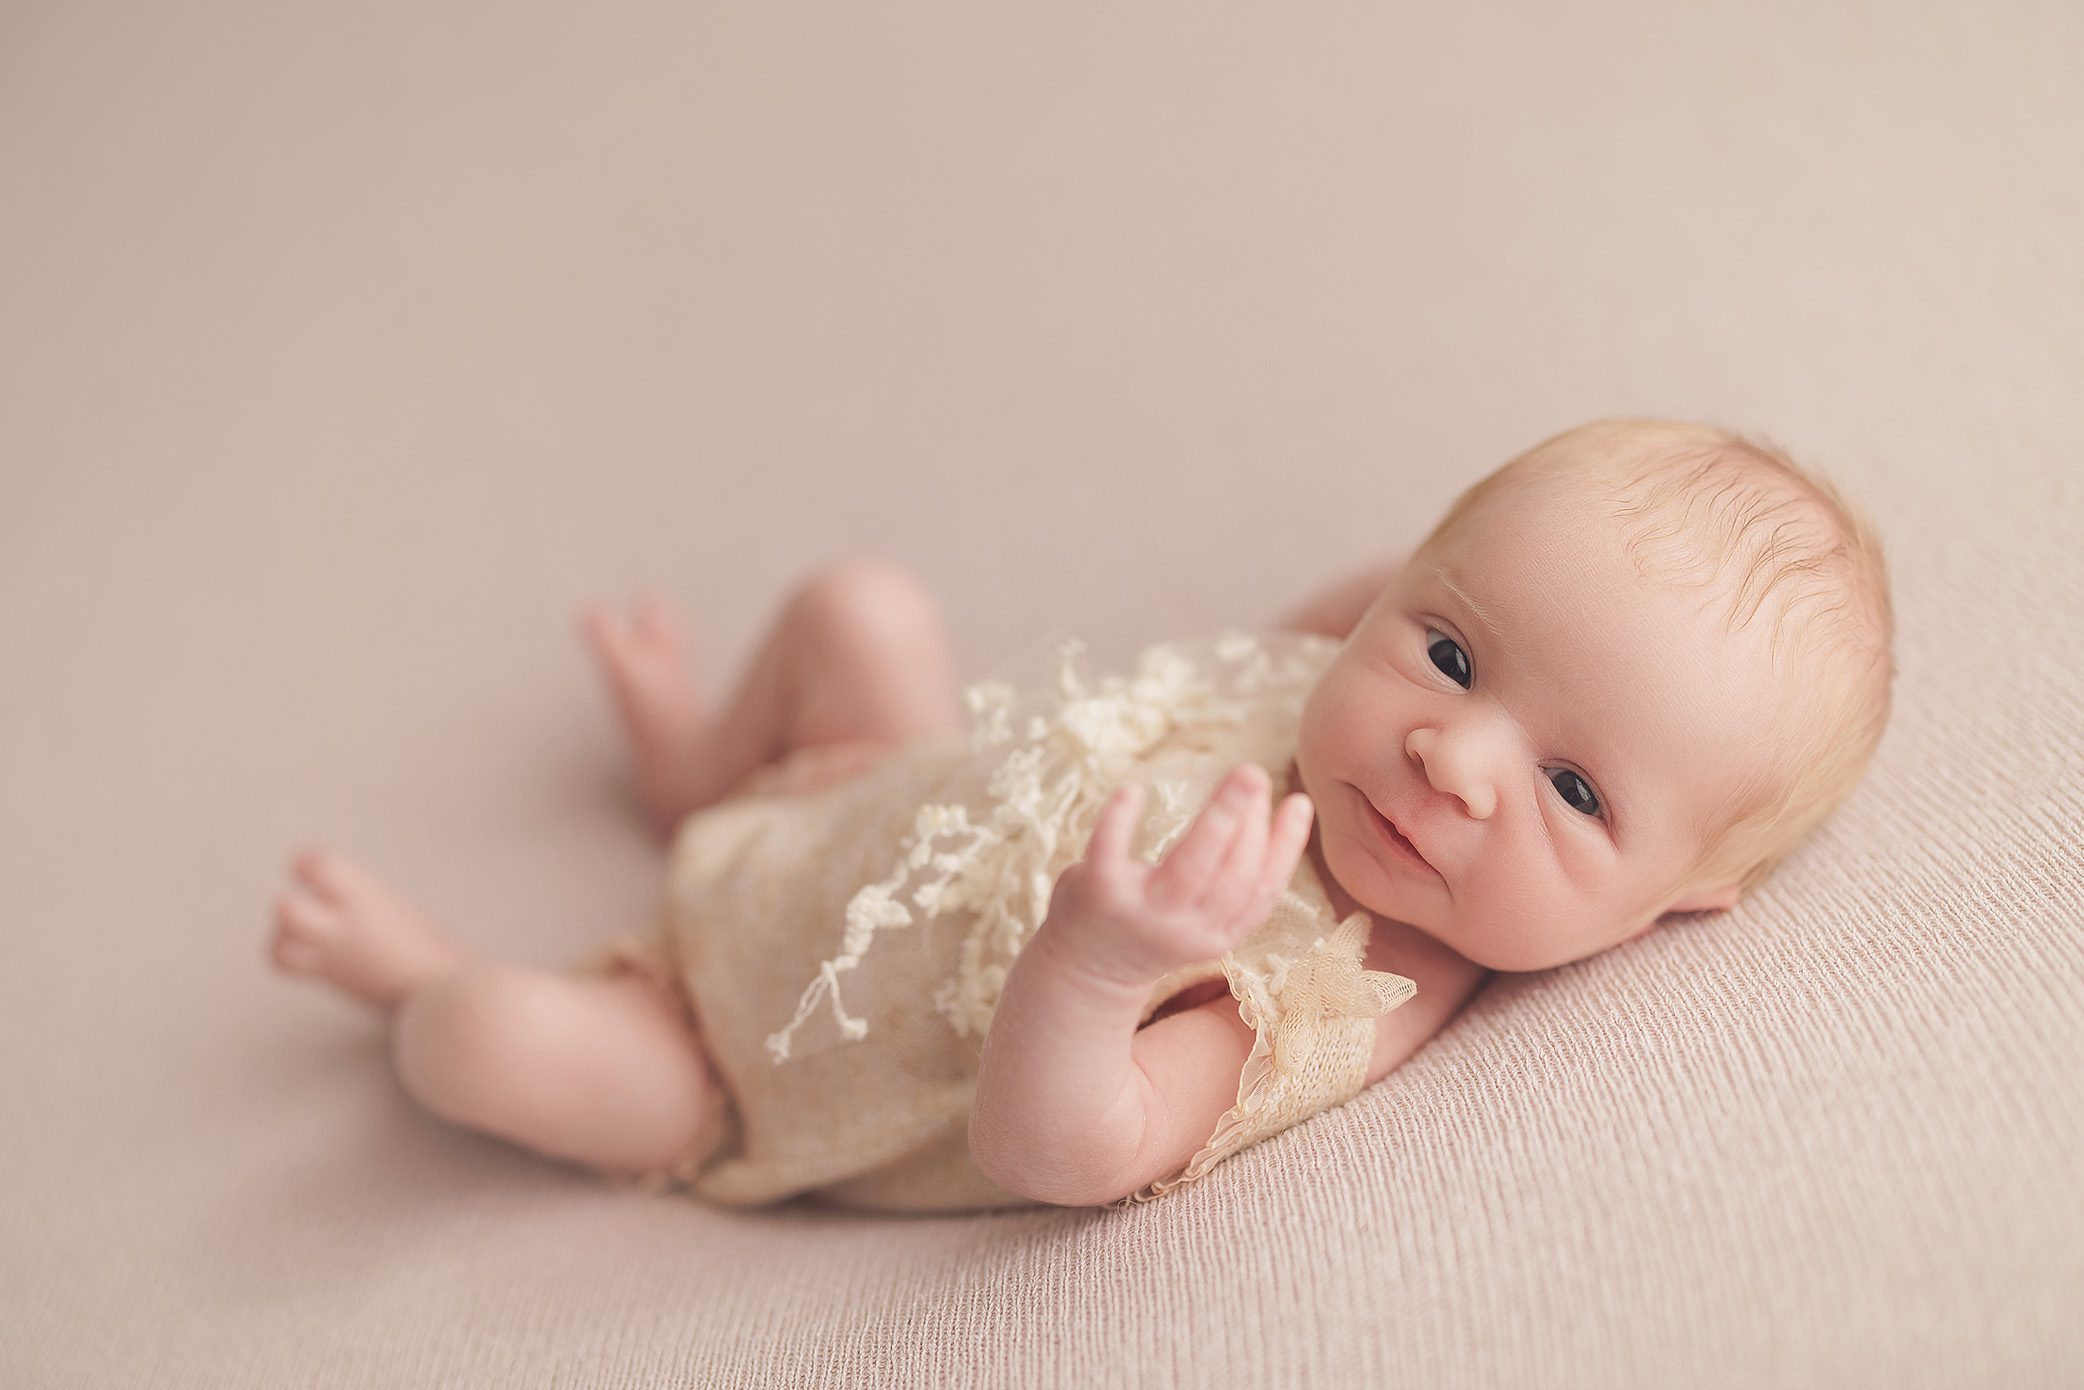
point(1455, 766)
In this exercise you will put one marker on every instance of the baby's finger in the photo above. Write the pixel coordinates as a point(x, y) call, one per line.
point(1116, 825)
point(1237, 878)
point(1284, 845)
point(1187, 870)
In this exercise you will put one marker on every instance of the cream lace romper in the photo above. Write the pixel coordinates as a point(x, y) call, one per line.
point(841, 952)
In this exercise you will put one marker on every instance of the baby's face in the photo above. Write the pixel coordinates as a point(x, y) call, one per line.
point(1553, 733)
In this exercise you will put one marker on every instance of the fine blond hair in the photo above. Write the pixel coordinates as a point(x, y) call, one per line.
point(1771, 541)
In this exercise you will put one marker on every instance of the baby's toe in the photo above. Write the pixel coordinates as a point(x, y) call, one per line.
point(302, 918)
point(294, 957)
point(347, 885)
point(303, 931)
point(607, 644)
point(655, 622)
point(600, 625)
point(316, 870)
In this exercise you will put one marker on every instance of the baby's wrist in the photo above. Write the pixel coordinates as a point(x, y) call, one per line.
point(1075, 950)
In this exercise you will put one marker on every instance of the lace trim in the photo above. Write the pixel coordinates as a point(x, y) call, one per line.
point(1061, 755)
point(1293, 1070)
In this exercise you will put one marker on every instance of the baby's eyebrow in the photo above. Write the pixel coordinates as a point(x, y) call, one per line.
point(1490, 623)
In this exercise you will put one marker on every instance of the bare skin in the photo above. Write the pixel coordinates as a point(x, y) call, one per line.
point(606, 1071)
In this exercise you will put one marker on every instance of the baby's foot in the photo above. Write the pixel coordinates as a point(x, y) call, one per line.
point(644, 659)
point(339, 925)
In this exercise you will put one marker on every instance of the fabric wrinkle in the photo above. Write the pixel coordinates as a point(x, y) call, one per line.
point(933, 869)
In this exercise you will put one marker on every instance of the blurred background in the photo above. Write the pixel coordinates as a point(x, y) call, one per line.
point(346, 351)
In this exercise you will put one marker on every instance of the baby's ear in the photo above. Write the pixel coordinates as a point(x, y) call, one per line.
point(1709, 900)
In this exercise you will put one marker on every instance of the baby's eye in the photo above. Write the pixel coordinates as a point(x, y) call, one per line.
point(1444, 653)
point(1575, 790)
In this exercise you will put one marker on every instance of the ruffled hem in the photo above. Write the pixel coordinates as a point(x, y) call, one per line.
point(1288, 1008)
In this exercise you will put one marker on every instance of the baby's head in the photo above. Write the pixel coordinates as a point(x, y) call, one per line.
point(1623, 677)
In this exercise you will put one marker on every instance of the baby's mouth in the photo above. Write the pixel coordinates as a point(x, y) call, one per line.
point(1398, 842)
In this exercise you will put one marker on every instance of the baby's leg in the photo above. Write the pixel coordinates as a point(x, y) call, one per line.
point(858, 652)
point(604, 1072)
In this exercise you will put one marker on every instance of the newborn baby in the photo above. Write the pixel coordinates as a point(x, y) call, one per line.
point(1619, 681)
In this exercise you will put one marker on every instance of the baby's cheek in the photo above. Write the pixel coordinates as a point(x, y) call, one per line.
point(1315, 731)
point(1588, 864)
point(1337, 718)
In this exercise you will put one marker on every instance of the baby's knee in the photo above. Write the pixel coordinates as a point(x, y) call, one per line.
point(473, 1048)
point(868, 599)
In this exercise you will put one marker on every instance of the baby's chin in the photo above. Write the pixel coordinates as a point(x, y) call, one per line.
point(1518, 950)
point(1362, 882)
point(1525, 952)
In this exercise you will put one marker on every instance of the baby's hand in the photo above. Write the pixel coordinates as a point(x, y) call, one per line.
point(1131, 922)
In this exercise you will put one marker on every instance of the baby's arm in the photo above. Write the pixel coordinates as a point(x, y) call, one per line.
point(1074, 1105)
point(1336, 611)
point(1077, 1106)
